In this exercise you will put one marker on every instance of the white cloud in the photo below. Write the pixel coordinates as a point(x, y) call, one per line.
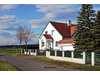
point(9, 21)
point(54, 12)
point(7, 6)
point(7, 37)
point(35, 26)
point(7, 17)
point(45, 8)
point(97, 9)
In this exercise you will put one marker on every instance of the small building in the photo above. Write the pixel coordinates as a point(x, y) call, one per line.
point(57, 36)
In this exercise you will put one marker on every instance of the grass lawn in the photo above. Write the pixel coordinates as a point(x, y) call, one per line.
point(67, 64)
point(4, 66)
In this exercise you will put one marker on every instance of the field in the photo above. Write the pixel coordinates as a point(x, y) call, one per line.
point(10, 51)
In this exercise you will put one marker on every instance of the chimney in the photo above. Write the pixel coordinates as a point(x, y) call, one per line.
point(69, 22)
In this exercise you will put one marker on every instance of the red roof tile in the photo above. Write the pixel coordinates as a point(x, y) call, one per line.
point(48, 36)
point(64, 29)
point(73, 28)
point(67, 41)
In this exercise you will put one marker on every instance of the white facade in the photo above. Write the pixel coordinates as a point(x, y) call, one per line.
point(45, 43)
point(56, 37)
point(66, 46)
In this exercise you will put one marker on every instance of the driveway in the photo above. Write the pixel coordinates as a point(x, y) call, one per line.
point(23, 64)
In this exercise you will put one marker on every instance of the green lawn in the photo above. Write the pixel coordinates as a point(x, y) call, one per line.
point(4, 66)
point(68, 64)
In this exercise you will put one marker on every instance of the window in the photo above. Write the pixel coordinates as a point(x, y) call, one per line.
point(46, 32)
point(42, 44)
point(52, 32)
point(56, 43)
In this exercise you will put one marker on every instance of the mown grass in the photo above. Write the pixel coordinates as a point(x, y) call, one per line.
point(65, 64)
point(4, 66)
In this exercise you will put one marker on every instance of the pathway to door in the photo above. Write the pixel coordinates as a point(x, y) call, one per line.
point(23, 64)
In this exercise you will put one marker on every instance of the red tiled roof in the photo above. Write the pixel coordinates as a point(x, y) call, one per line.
point(48, 36)
point(73, 28)
point(63, 28)
point(67, 41)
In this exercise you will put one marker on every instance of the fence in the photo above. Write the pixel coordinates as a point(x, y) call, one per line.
point(29, 51)
point(41, 52)
point(77, 57)
point(59, 53)
point(78, 54)
point(52, 53)
point(67, 53)
point(97, 58)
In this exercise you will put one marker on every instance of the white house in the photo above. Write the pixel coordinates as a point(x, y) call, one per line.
point(57, 36)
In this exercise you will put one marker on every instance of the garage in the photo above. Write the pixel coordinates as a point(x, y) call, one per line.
point(66, 45)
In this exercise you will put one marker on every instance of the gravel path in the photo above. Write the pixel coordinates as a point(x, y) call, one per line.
point(23, 64)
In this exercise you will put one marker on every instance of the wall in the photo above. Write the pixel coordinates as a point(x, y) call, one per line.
point(40, 43)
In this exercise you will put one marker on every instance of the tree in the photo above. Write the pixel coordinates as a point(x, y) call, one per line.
point(19, 35)
point(96, 32)
point(84, 32)
point(28, 35)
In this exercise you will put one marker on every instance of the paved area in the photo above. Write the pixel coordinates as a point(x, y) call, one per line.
point(24, 64)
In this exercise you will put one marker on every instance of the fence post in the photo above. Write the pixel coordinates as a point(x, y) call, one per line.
point(47, 53)
point(29, 51)
point(92, 58)
point(55, 53)
point(72, 54)
point(21, 51)
point(36, 51)
point(16, 51)
point(62, 53)
point(24, 51)
point(84, 57)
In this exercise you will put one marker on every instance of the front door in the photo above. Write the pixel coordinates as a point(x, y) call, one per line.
point(49, 45)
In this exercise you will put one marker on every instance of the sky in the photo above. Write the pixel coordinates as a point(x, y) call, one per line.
point(35, 16)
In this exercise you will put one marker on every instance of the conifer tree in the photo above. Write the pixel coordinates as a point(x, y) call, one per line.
point(83, 35)
point(96, 32)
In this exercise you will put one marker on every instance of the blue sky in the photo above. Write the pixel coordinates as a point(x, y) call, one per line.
point(35, 16)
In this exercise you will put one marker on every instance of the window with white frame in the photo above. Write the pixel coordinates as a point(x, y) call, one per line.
point(52, 32)
point(46, 32)
point(56, 43)
point(42, 44)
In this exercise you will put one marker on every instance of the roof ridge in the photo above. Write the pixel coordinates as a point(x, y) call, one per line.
point(58, 22)
point(62, 22)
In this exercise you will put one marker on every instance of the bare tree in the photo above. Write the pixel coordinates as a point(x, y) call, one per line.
point(28, 35)
point(19, 35)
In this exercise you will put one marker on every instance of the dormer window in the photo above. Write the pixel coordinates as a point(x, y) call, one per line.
point(52, 32)
point(46, 32)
